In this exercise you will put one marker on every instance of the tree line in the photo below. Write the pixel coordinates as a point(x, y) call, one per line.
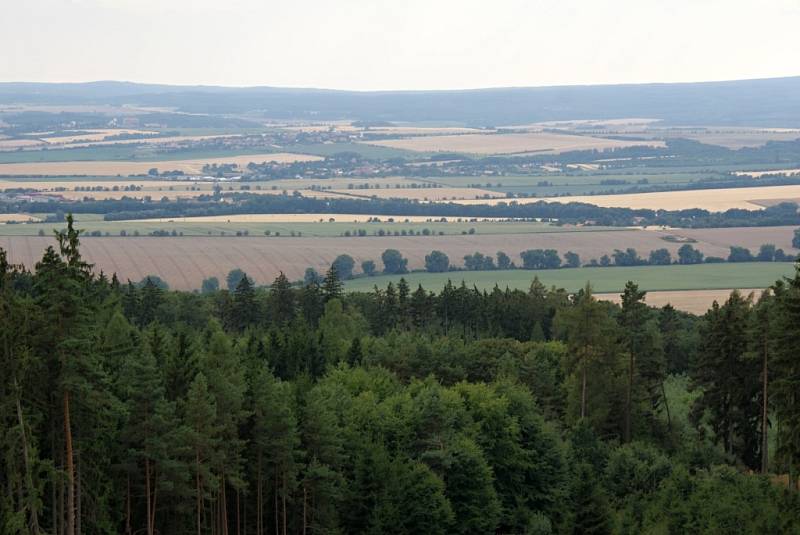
point(131, 409)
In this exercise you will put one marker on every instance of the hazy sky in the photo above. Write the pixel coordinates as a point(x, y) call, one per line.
point(398, 44)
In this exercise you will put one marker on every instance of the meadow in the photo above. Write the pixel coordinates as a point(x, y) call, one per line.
point(603, 280)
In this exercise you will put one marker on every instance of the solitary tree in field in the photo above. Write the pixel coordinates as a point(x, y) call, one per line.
point(437, 262)
point(233, 278)
point(393, 262)
point(368, 267)
point(344, 265)
point(572, 260)
point(210, 285)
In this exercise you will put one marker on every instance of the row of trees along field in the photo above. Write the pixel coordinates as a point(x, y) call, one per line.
point(136, 410)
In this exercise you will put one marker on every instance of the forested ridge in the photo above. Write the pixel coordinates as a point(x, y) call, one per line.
point(131, 409)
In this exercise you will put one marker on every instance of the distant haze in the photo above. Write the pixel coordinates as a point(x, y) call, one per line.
point(409, 44)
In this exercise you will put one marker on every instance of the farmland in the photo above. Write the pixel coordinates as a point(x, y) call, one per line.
point(603, 280)
point(538, 142)
point(263, 257)
point(693, 301)
point(713, 200)
point(306, 225)
point(112, 168)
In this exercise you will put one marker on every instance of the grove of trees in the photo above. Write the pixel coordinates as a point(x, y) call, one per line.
point(132, 409)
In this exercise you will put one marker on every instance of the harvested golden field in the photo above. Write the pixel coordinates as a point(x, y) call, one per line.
point(750, 237)
point(55, 185)
point(137, 188)
point(92, 135)
point(693, 301)
point(423, 194)
point(714, 200)
point(537, 142)
point(18, 217)
point(126, 168)
point(185, 262)
point(14, 144)
point(759, 174)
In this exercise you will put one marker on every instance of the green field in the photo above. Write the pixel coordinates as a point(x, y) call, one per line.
point(603, 280)
point(94, 222)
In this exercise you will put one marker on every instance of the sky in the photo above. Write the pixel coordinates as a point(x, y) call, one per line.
point(398, 44)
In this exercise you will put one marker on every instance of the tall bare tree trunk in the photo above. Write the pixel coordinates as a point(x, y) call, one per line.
point(283, 502)
point(128, 528)
point(198, 498)
point(224, 508)
point(31, 490)
point(764, 411)
point(666, 406)
point(147, 493)
point(155, 501)
point(70, 467)
point(78, 502)
point(238, 511)
point(305, 504)
point(626, 435)
point(277, 529)
point(583, 390)
point(61, 507)
point(260, 499)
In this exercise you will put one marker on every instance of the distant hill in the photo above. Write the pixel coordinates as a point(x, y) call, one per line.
point(765, 102)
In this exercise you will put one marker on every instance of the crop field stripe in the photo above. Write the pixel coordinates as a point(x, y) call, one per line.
point(604, 280)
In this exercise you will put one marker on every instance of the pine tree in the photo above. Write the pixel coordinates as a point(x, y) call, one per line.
point(244, 310)
point(281, 300)
point(730, 381)
point(226, 383)
point(332, 286)
point(786, 376)
point(276, 442)
point(590, 508)
point(204, 438)
point(589, 330)
point(632, 321)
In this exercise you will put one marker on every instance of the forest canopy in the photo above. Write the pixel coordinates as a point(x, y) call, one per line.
point(133, 409)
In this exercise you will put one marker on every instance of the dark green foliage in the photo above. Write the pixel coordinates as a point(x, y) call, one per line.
point(741, 254)
point(628, 257)
point(540, 259)
point(660, 257)
point(210, 285)
point(503, 261)
point(478, 262)
point(572, 260)
point(689, 255)
point(393, 262)
point(294, 410)
point(344, 265)
point(368, 267)
point(437, 262)
point(233, 278)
